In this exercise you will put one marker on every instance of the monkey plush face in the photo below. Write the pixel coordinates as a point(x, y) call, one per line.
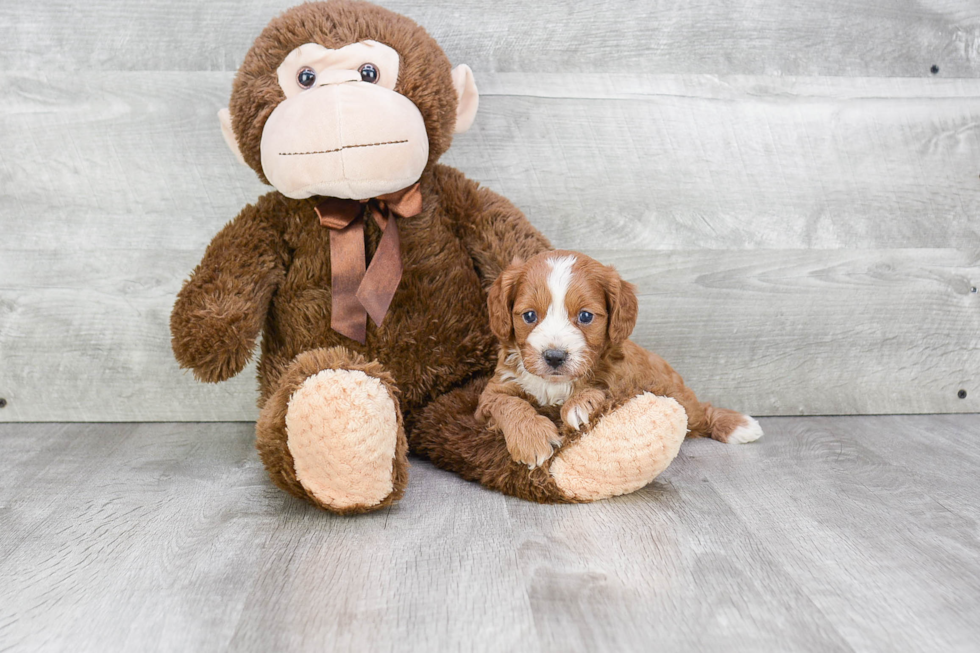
point(343, 130)
point(357, 105)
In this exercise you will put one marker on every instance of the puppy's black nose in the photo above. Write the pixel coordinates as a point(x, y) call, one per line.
point(554, 357)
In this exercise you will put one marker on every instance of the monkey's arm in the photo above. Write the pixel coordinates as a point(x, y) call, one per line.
point(221, 308)
point(493, 230)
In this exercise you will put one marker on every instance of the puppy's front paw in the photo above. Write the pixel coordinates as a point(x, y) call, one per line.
point(578, 411)
point(533, 441)
point(577, 416)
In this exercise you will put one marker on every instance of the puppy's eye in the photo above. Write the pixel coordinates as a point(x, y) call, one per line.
point(530, 317)
point(585, 317)
point(306, 77)
point(369, 73)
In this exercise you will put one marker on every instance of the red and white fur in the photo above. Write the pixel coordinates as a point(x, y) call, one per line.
point(563, 321)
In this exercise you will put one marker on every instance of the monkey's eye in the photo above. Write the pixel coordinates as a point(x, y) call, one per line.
point(585, 317)
point(530, 317)
point(306, 77)
point(369, 73)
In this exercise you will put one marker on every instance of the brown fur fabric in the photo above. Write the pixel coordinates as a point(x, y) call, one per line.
point(269, 269)
point(450, 436)
point(221, 308)
point(270, 429)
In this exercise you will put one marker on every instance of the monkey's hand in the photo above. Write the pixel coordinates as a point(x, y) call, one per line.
point(213, 335)
point(220, 310)
point(580, 408)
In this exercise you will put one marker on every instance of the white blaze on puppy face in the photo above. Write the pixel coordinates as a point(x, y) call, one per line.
point(561, 301)
point(556, 330)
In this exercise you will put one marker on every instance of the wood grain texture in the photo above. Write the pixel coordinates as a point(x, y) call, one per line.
point(771, 37)
point(670, 568)
point(849, 517)
point(947, 476)
point(832, 332)
point(734, 163)
point(89, 336)
point(113, 182)
point(829, 534)
point(767, 332)
point(661, 162)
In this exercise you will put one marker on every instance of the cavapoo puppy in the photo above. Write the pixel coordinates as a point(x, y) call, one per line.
point(563, 320)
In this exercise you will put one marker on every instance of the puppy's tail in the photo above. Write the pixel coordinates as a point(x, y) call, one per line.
point(731, 426)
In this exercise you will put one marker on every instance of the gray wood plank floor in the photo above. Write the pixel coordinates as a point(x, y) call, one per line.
point(846, 533)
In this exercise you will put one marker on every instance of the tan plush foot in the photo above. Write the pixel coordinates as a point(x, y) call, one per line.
point(627, 449)
point(342, 430)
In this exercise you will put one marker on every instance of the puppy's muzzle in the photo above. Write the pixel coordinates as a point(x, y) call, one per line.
point(555, 357)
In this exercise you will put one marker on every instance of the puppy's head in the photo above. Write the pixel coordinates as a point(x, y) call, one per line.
point(561, 311)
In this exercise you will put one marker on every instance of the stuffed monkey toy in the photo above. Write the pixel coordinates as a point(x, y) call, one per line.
point(366, 271)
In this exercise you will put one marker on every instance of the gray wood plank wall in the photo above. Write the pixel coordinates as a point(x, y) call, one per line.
point(794, 190)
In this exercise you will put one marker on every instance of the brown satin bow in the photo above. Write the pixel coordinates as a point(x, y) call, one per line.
point(358, 293)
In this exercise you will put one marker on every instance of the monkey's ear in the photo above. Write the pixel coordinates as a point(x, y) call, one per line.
point(225, 117)
point(468, 98)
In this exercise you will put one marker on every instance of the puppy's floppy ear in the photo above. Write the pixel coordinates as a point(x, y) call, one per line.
point(622, 304)
point(500, 302)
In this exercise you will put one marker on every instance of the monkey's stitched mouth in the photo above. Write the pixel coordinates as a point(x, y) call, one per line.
point(343, 147)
